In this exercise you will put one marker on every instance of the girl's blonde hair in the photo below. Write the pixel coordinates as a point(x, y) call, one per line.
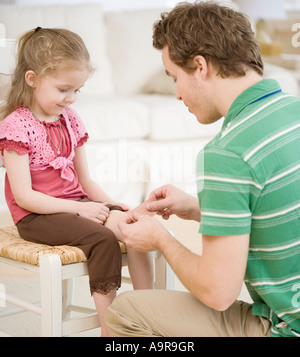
point(43, 51)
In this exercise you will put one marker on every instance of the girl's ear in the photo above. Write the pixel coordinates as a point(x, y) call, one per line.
point(31, 78)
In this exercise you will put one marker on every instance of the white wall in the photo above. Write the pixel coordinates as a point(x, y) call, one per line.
point(112, 5)
point(107, 5)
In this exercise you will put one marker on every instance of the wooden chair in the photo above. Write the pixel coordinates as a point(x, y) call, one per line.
point(57, 266)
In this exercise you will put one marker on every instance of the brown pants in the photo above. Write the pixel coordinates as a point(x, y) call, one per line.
point(98, 243)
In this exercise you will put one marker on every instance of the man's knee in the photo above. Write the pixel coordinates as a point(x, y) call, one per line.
point(118, 315)
point(121, 303)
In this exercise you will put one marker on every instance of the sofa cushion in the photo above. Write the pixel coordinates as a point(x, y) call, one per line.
point(170, 119)
point(160, 83)
point(129, 40)
point(113, 117)
point(86, 20)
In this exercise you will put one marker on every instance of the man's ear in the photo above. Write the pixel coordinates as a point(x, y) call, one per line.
point(31, 78)
point(201, 66)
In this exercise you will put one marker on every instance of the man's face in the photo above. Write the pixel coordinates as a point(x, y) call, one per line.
point(194, 89)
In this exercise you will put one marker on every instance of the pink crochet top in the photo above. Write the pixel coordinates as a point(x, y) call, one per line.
point(51, 173)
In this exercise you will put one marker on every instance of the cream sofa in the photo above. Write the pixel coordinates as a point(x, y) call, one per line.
point(140, 135)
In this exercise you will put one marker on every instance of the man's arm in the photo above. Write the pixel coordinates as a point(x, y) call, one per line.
point(215, 278)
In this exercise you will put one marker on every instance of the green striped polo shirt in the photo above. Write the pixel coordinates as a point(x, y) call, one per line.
point(248, 181)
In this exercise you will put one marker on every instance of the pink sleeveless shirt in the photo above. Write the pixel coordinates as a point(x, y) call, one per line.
point(51, 173)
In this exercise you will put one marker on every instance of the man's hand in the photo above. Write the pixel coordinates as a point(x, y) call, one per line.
point(168, 200)
point(144, 235)
point(141, 209)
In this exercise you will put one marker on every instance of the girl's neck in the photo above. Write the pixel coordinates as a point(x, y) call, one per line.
point(44, 118)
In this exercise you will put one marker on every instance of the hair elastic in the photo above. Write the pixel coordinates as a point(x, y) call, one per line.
point(37, 29)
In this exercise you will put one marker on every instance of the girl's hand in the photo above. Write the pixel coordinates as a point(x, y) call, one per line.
point(97, 212)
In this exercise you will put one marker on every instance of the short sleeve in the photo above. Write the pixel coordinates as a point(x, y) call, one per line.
point(227, 191)
point(13, 135)
point(78, 127)
point(83, 140)
point(18, 146)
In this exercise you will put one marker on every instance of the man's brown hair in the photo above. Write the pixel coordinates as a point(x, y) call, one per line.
point(221, 35)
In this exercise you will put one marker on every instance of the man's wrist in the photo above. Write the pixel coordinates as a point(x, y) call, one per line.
point(195, 210)
point(162, 239)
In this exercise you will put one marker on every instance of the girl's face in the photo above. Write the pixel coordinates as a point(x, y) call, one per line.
point(52, 93)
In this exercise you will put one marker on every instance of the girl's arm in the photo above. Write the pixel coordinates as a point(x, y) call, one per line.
point(89, 186)
point(17, 168)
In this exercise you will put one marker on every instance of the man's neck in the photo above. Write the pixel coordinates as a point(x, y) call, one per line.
point(229, 89)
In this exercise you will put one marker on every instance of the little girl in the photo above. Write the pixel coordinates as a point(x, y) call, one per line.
point(49, 192)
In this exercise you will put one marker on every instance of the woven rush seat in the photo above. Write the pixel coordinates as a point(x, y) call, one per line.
point(57, 267)
point(14, 247)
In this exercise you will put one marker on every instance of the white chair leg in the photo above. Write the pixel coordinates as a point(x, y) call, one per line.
point(51, 295)
point(159, 271)
point(170, 278)
point(164, 275)
point(67, 298)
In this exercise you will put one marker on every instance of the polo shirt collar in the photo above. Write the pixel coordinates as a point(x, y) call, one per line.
point(255, 93)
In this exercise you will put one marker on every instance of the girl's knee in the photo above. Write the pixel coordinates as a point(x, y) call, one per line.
point(108, 239)
point(112, 222)
point(100, 240)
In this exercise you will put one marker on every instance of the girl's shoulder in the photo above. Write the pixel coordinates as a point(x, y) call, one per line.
point(19, 117)
point(75, 121)
point(72, 115)
point(18, 126)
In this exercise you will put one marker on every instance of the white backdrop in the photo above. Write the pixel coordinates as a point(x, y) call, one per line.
point(108, 5)
point(112, 5)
